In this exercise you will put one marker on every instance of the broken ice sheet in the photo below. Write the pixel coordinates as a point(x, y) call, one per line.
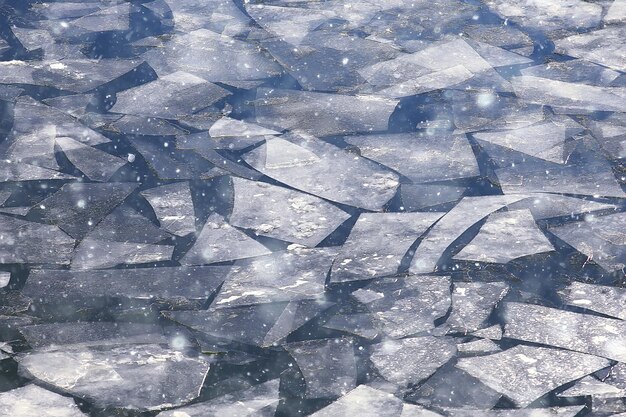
point(411, 360)
point(32, 400)
point(173, 207)
point(311, 165)
point(601, 46)
point(219, 242)
point(61, 292)
point(591, 386)
point(283, 214)
point(217, 15)
point(363, 401)
point(202, 142)
point(420, 157)
point(296, 274)
point(125, 224)
point(115, 18)
point(545, 206)
point(480, 347)
point(197, 53)
point(322, 114)
point(169, 97)
point(549, 16)
point(403, 307)
point(545, 140)
point(228, 127)
point(377, 244)
point(33, 243)
point(94, 163)
point(262, 325)
point(506, 236)
point(603, 299)
point(100, 254)
point(570, 411)
point(419, 196)
point(564, 329)
point(138, 377)
point(259, 400)
point(526, 373)
point(601, 238)
point(467, 212)
point(78, 207)
point(574, 71)
point(472, 304)
point(328, 366)
point(493, 332)
point(358, 324)
point(504, 36)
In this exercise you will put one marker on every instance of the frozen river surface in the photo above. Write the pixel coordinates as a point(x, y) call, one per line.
point(360, 208)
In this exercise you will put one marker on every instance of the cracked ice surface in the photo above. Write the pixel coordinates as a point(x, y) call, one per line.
point(312, 208)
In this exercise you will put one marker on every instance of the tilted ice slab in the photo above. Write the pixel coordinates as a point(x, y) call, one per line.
point(574, 331)
point(322, 114)
point(603, 299)
point(591, 386)
point(466, 213)
point(125, 224)
point(601, 46)
point(545, 206)
point(259, 400)
point(293, 275)
point(94, 163)
point(282, 213)
point(140, 377)
point(100, 254)
point(506, 236)
point(411, 360)
point(173, 207)
point(32, 400)
point(525, 373)
point(322, 169)
point(377, 244)
point(472, 304)
point(421, 158)
point(574, 71)
point(571, 411)
point(407, 306)
point(363, 401)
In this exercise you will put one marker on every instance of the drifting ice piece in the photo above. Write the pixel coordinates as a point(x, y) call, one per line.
point(124, 224)
point(282, 276)
point(506, 236)
point(525, 373)
point(219, 242)
point(32, 400)
point(115, 18)
point(467, 212)
point(328, 366)
point(481, 346)
point(421, 158)
point(94, 163)
point(173, 207)
point(363, 401)
point(529, 412)
point(574, 71)
point(411, 360)
point(284, 214)
point(600, 298)
point(602, 239)
point(472, 303)
point(316, 167)
point(591, 386)
point(227, 127)
point(377, 244)
point(322, 114)
point(406, 306)
point(260, 400)
point(601, 46)
point(140, 377)
point(579, 332)
point(101, 254)
point(545, 206)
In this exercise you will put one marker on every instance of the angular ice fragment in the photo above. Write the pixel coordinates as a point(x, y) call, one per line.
point(124, 224)
point(493, 332)
point(227, 127)
point(359, 324)
point(601, 46)
point(525, 373)
point(258, 400)
point(5, 278)
point(411, 360)
point(322, 114)
point(291, 24)
point(94, 163)
point(574, 71)
point(468, 211)
point(506, 236)
point(283, 214)
point(101, 254)
point(219, 242)
point(601, 238)
point(377, 244)
point(363, 401)
point(616, 12)
point(262, 325)
point(436, 80)
point(472, 303)
point(480, 346)
point(504, 36)
point(570, 411)
point(32, 400)
point(116, 18)
point(33, 243)
point(603, 299)
point(292, 275)
point(545, 206)
point(169, 97)
point(418, 196)
point(574, 331)
point(173, 207)
point(591, 386)
point(78, 207)
point(328, 366)
point(137, 377)
point(319, 168)
point(421, 158)
point(406, 306)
